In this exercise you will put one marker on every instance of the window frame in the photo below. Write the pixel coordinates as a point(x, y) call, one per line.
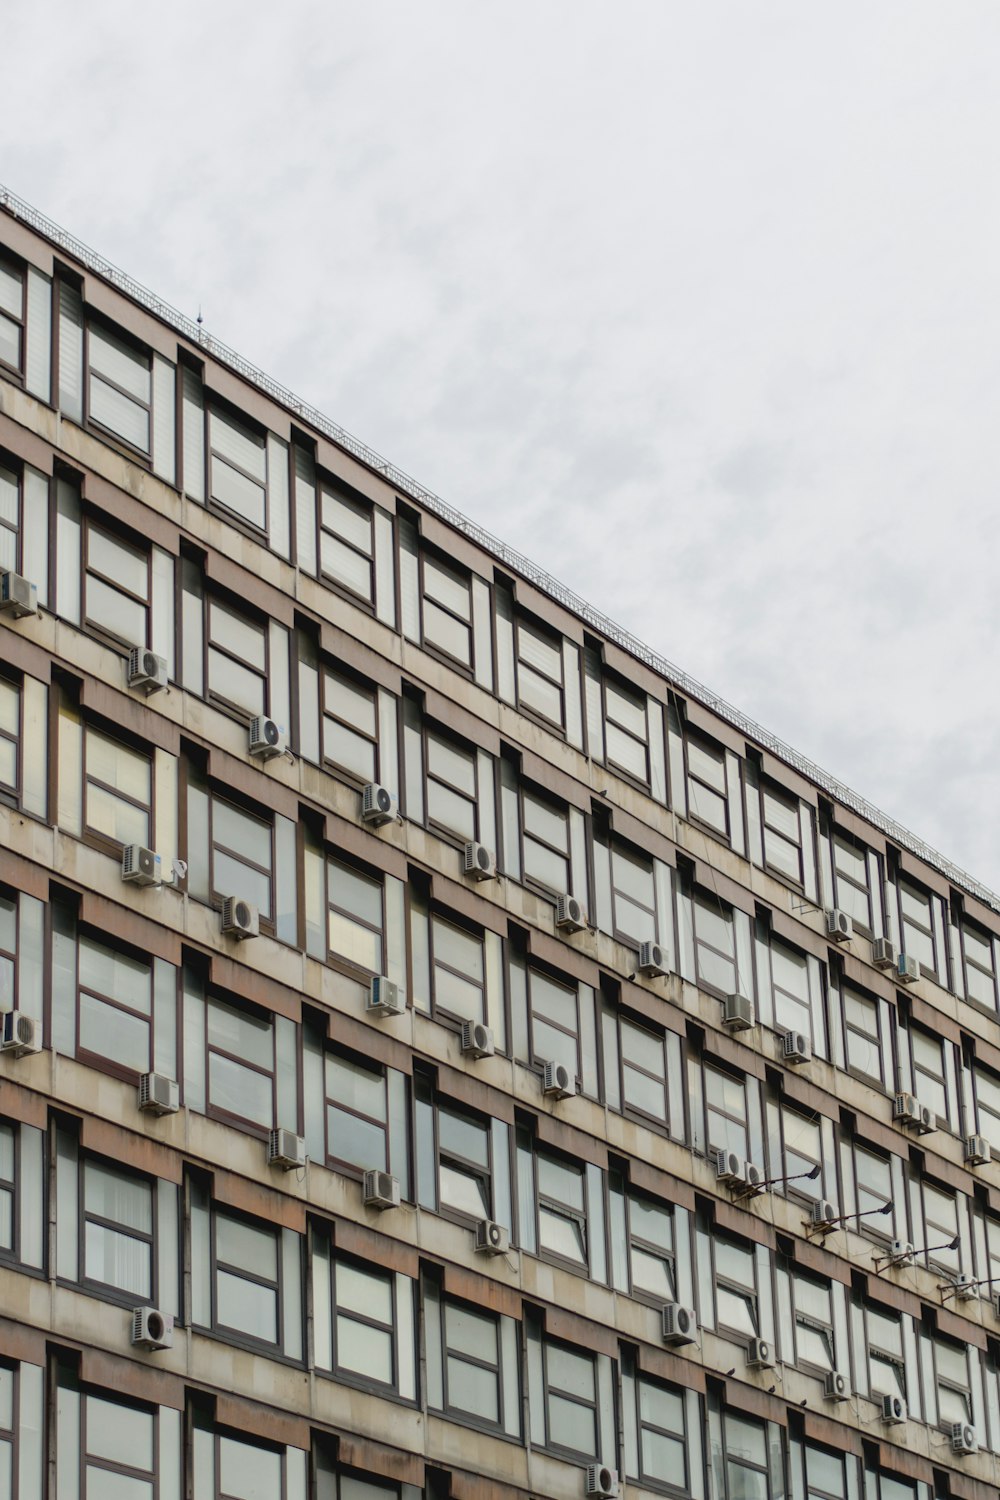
point(916, 891)
point(741, 1462)
point(431, 734)
point(927, 1081)
point(224, 1330)
point(571, 1398)
point(526, 792)
point(335, 959)
point(868, 1221)
point(92, 521)
point(630, 1110)
point(725, 913)
point(447, 1017)
point(625, 690)
point(100, 1060)
point(215, 1111)
point(108, 1289)
point(779, 794)
point(216, 896)
point(880, 1043)
point(982, 934)
point(14, 468)
point(96, 836)
point(839, 839)
point(16, 269)
point(329, 675)
point(344, 1373)
point(113, 334)
point(880, 1354)
point(650, 1249)
point(745, 1291)
point(712, 1069)
point(330, 1102)
point(339, 490)
point(536, 1059)
point(85, 1461)
point(644, 1477)
point(713, 751)
point(561, 1210)
point(10, 795)
point(214, 599)
point(460, 1414)
point(553, 640)
point(11, 1188)
point(808, 1320)
point(619, 850)
point(464, 1166)
point(244, 425)
point(449, 570)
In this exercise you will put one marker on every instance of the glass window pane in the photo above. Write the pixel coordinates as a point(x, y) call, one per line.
point(240, 1091)
point(116, 819)
point(348, 519)
point(349, 750)
point(247, 1472)
point(450, 810)
point(118, 1196)
point(238, 444)
point(118, 1260)
point(447, 588)
point(114, 612)
point(459, 997)
point(474, 1390)
point(10, 342)
point(357, 1087)
point(246, 1246)
point(572, 1426)
point(446, 632)
point(122, 564)
point(626, 752)
point(115, 975)
point(236, 684)
point(119, 1434)
point(120, 363)
point(626, 709)
point(242, 638)
point(241, 834)
point(345, 566)
point(463, 1193)
point(355, 893)
point(11, 292)
point(239, 1032)
point(362, 1292)
point(247, 1307)
point(356, 1141)
point(117, 766)
point(358, 945)
point(238, 493)
point(119, 414)
point(366, 1351)
point(663, 1458)
point(539, 695)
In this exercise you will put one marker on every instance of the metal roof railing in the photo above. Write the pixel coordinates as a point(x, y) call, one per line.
point(505, 554)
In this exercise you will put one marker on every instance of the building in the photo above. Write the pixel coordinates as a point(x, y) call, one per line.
point(512, 1072)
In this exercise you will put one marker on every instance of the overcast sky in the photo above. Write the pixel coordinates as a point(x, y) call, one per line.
point(693, 303)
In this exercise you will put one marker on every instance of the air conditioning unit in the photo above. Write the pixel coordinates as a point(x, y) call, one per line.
point(380, 1190)
point(884, 953)
point(384, 998)
point(680, 1324)
point(17, 595)
point(909, 1111)
point(966, 1288)
point(822, 1214)
point(140, 866)
point(570, 915)
point(836, 1386)
point(491, 1238)
point(963, 1438)
point(240, 919)
point(893, 1410)
point(158, 1094)
point(901, 1252)
point(977, 1151)
point(477, 1039)
point(760, 1355)
point(557, 1081)
point(286, 1149)
point(19, 1033)
point(839, 926)
point(267, 739)
point(146, 670)
point(478, 862)
point(796, 1048)
point(732, 1169)
point(600, 1482)
point(737, 1013)
point(152, 1329)
point(377, 805)
point(652, 960)
point(907, 969)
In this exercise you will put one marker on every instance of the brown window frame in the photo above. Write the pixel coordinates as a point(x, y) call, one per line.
point(92, 835)
point(526, 792)
point(243, 424)
point(19, 269)
point(216, 896)
point(367, 1065)
point(217, 1112)
point(553, 640)
point(431, 734)
point(983, 935)
point(221, 1330)
point(439, 1012)
point(10, 795)
point(710, 1068)
point(712, 751)
point(537, 1060)
point(216, 600)
point(93, 522)
point(838, 839)
point(15, 468)
point(779, 795)
point(458, 663)
point(625, 690)
point(328, 675)
point(107, 1289)
point(659, 1123)
point(97, 1060)
point(338, 960)
point(113, 334)
point(339, 491)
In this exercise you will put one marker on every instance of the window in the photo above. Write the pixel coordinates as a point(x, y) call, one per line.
point(554, 1009)
point(117, 1229)
point(246, 1276)
point(115, 1008)
point(801, 1153)
point(472, 1363)
point(633, 897)
point(873, 1179)
point(356, 916)
point(118, 790)
point(457, 971)
point(8, 1424)
point(706, 784)
point(236, 648)
point(714, 944)
point(781, 833)
point(656, 1412)
point(357, 1113)
point(346, 548)
point(943, 1252)
point(118, 1449)
point(10, 736)
point(544, 842)
point(916, 917)
point(241, 1064)
point(812, 1302)
point(826, 1478)
point(237, 459)
point(987, 1088)
point(451, 790)
point(447, 610)
point(929, 1072)
point(863, 1041)
point(464, 1164)
point(726, 1112)
point(10, 503)
point(232, 1468)
point(745, 1443)
point(562, 1214)
point(626, 731)
point(571, 1395)
point(116, 583)
point(241, 854)
point(539, 672)
point(735, 1287)
point(11, 316)
point(364, 1322)
point(652, 1270)
point(350, 726)
point(954, 1393)
point(119, 388)
point(644, 1071)
point(886, 1371)
point(8, 1187)
point(790, 989)
point(977, 955)
point(850, 878)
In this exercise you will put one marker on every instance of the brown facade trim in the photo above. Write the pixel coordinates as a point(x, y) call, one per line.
point(461, 722)
point(563, 957)
point(466, 1486)
point(645, 1006)
point(369, 1041)
point(142, 1153)
point(673, 1367)
point(376, 1249)
point(354, 839)
point(24, 875)
point(232, 774)
point(26, 445)
point(130, 926)
point(720, 1047)
point(250, 587)
point(449, 895)
point(465, 1089)
point(20, 1342)
point(262, 1421)
point(143, 1381)
point(570, 1327)
point(798, 1090)
point(755, 1402)
point(377, 1458)
point(25, 655)
point(258, 1200)
point(836, 1435)
point(129, 713)
point(22, 1104)
point(562, 1137)
point(345, 649)
point(649, 1179)
point(483, 1291)
point(140, 518)
point(894, 1460)
point(734, 1219)
point(250, 984)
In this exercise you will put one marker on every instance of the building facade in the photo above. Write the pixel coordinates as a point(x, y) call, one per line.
point(443, 1050)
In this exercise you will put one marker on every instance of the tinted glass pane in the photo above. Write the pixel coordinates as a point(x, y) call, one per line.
point(119, 363)
point(349, 750)
point(446, 632)
point(356, 1141)
point(447, 588)
point(365, 1351)
point(240, 1091)
point(118, 1260)
point(348, 519)
point(235, 683)
point(539, 694)
point(119, 1434)
point(362, 1292)
point(114, 612)
point(644, 1093)
point(626, 752)
point(355, 893)
point(572, 1426)
point(246, 1307)
point(124, 565)
point(245, 1035)
point(450, 810)
point(460, 1136)
point(119, 414)
point(358, 945)
point(350, 703)
point(243, 638)
point(238, 493)
point(248, 1473)
point(11, 292)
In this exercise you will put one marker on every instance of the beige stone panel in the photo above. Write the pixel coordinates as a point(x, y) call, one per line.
point(451, 1443)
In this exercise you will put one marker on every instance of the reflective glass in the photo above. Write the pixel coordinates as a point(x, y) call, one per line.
point(238, 493)
point(119, 414)
point(119, 1434)
point(10, 342)
point(238, 444)
point(447, 588)
point(11, 291)
point(116, 975)
point(364, 1350)
point(539, 694)
point(239, 1032)
point(115, 612)
point(246, 1306)
point(472, 1389)
point(572, 1426)
point(362, 1292)
point(345, 566)
point(349, 519)
point(118, 562)
point(247, 1472)
point(241, 834)
point(354, 1140)
point(242, 638)
point(445, 631)
point(463, 1193)
point(235, 683)
point(358, 945)
point(114, 1034)
point(347, 749)
point(118, 1260)
point(626, 752)
point(8, 496)
point(240, 1091)
point(450, 810)
point(113, 358)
